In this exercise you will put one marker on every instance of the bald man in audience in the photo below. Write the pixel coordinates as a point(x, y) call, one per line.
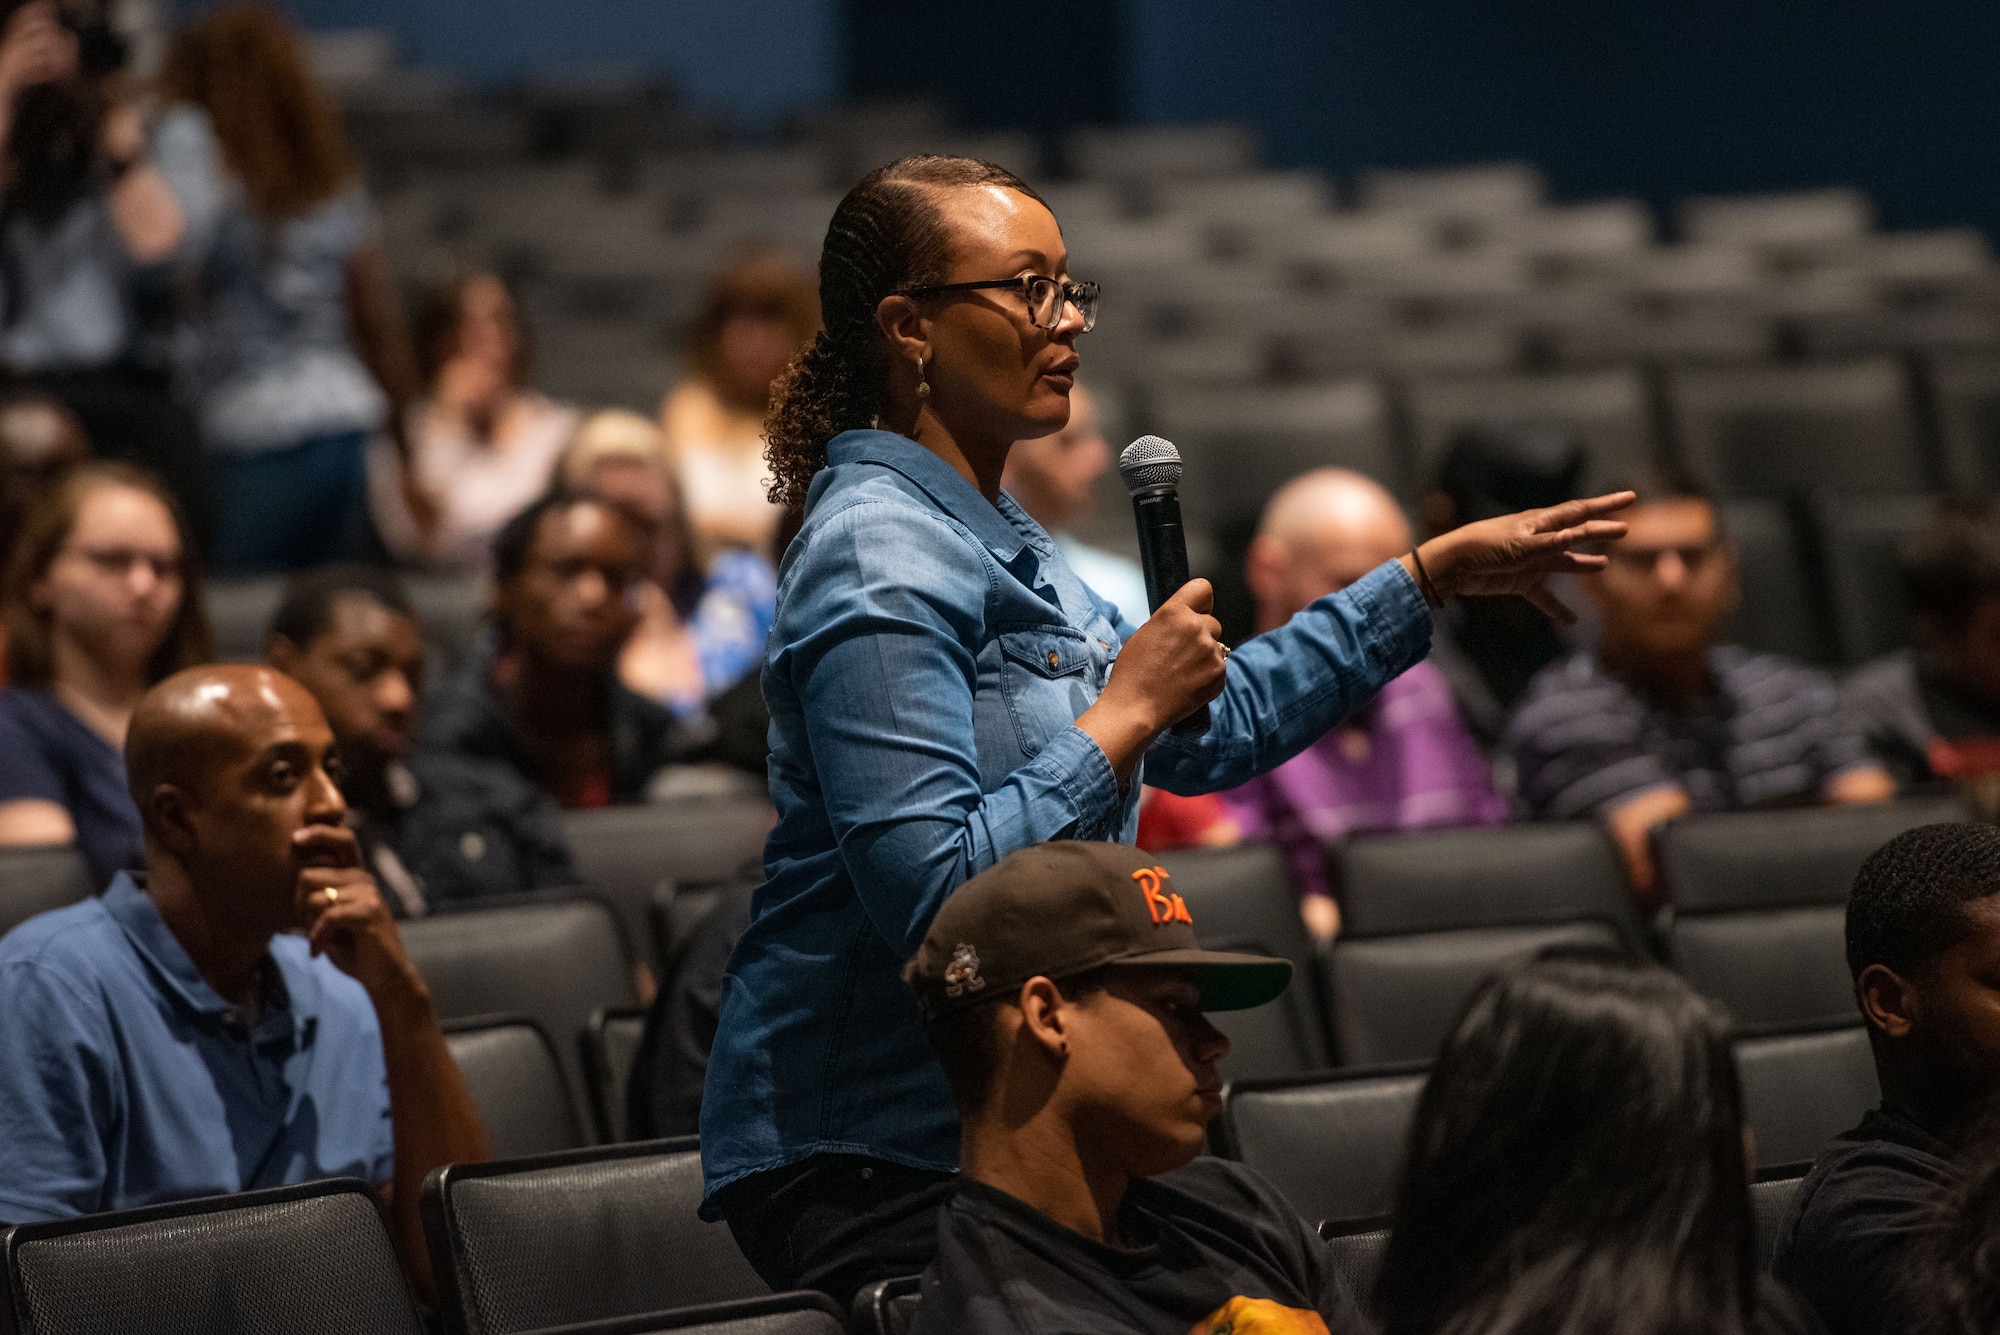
point(175, 1038)
point(1405, 762)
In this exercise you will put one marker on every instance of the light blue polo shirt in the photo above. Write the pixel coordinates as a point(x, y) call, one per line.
point(125, 1080)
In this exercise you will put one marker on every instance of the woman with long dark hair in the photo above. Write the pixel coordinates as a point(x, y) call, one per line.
point(1578, 1165)
point(944, 690)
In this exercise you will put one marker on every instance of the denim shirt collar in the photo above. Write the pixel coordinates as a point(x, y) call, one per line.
point(999, 526)
point(126, 900)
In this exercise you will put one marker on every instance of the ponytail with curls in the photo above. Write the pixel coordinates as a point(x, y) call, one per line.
point(887, 235)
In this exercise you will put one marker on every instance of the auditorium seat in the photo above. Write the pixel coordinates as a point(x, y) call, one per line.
point(1241, 443)
point(1766, 431)
point(1394, 998)
point(1783, 223)
point(585, 1235)
point(313, 1257)
point(1777, 610)
point(794, 1313)
point(624, 853)
point(558, 960)
point(1242, 898)
point(239, 612)
point(1357, 1250)
point(1860, 537)
point(1331, 1142)
point(1759, 902)
point(1802, 1089)
point(35, 880)
point(517, 1084)
point(1608, 410)
point(610, 1045)
point(886, 1307)
point(1965, 399)
point(1144, 152)
point(1426, 915)
point(1770, 1203)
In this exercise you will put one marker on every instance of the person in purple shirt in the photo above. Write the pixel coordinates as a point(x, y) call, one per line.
point(1406, 760)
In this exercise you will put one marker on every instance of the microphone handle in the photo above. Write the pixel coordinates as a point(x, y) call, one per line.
point(1164, 561)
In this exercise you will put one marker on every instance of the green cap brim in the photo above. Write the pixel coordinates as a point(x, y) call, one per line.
point(1228, 981)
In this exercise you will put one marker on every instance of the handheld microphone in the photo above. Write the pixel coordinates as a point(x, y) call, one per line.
point(1151, 468)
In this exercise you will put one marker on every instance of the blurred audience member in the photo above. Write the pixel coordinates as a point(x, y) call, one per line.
point(294, 349)
point(701, 628)
point(1055, 480)
point(87, 226)
point(1490, 648)
point(435, 829)
point(1404, 762)
point(1923, 943)
point(759, 312)
point(482, 443)
point(1084, 1071)
point(39, 438)
point(544, 699)
point(1577, 1163)
point(241, 1014)
point(100, 603)
point(1662, 720)
point(1932, 712)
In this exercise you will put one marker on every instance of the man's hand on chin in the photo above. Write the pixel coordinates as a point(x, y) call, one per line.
point(1259, 1316)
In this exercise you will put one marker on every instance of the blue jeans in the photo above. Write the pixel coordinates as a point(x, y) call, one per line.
point(292, 508)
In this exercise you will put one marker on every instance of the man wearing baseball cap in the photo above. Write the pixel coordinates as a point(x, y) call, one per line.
point(1063, 991)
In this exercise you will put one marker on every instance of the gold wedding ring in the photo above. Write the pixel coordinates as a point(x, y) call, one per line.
point(332, 896)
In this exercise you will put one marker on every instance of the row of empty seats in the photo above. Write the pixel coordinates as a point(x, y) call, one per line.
point(604, 1244)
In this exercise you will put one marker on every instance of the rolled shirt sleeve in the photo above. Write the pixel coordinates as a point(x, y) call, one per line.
point(1286, 688)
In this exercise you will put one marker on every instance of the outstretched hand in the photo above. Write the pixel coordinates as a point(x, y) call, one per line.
point(1516, 554)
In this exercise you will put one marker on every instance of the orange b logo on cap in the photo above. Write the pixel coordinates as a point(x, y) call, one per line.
point(1163, 906)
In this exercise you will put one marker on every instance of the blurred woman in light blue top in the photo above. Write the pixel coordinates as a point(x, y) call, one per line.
point(292, 349)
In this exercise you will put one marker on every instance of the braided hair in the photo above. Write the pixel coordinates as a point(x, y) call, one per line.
point(887, 235)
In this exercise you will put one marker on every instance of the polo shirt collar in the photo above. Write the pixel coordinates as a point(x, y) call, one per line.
point(133, 910)
point(995, 526)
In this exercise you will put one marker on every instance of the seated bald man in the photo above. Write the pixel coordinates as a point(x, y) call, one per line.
point(173, 1039)
point(1407, 761)
point(1084, 1073)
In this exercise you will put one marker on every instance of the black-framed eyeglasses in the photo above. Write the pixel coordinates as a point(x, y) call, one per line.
point(1046, 297)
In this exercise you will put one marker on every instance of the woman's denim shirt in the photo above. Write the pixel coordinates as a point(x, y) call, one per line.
point(931, 655)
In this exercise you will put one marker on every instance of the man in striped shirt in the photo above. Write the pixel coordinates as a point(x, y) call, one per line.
point(1661, 720)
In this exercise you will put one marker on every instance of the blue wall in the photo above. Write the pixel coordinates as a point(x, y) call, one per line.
point(1657, 98)
point(751, 59)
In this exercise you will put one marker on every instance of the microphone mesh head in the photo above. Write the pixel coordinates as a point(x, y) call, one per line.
point(1150, 462)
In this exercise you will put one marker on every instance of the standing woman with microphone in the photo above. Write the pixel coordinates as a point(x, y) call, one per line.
point(944, 691)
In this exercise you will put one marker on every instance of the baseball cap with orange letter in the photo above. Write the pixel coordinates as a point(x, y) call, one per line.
point(1064, 908)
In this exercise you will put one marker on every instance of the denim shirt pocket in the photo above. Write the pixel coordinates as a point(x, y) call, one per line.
point(1049, 675)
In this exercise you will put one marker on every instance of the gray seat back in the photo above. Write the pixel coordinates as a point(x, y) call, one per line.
point(35, 880)
point(517, 1084)
point(1800, 1090)
point(522, 1244)
point(309, 1257)
point(1332, 1143)
point(557, 960)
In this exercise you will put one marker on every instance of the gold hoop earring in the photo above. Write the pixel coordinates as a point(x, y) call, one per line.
point(923, 385)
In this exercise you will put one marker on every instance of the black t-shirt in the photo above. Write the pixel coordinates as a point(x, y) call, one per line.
point(1870, 1194)
point(1205, 1233)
